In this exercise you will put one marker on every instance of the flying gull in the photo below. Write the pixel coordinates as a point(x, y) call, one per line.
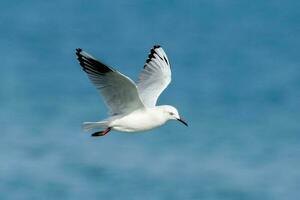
point(132, 105)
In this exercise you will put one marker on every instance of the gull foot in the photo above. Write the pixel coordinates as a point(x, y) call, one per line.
point(101, 133)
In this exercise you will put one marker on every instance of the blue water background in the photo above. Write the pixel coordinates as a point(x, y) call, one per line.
point(236, 80)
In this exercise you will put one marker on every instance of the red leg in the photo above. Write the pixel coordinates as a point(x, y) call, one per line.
point(101, 133)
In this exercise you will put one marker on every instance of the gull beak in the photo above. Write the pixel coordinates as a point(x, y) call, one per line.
point(182, 121)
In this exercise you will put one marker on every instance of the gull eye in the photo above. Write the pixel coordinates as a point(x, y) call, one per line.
point(171, 113)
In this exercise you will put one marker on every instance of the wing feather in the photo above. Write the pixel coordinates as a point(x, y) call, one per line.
point(119, 92)
point(155, 76)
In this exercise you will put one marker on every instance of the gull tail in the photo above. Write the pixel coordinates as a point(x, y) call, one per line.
point(86, 126)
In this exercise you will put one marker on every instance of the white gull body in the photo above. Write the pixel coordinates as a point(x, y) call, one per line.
point(132, 106)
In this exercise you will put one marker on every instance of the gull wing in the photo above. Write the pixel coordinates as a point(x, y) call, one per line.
point(155, 76)
point(119, 92)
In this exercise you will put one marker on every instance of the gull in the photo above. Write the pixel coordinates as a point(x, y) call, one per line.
point(132, 106)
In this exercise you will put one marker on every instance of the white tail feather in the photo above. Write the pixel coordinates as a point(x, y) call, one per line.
point(86, 126)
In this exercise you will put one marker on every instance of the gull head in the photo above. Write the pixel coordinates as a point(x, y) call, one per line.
point(171, 113)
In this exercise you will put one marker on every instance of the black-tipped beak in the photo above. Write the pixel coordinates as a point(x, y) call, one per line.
point(182, 121)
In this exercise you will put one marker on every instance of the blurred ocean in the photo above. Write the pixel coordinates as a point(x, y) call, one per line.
point(236, 80)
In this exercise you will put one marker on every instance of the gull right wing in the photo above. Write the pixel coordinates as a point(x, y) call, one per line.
point(155, 76)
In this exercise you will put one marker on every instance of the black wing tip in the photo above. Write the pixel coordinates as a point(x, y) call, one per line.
point(79, 56)
point(152, 52)
point(78, 50)
point(90, 65)
point(78, 53)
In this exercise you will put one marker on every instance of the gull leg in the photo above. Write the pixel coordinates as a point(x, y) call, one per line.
point(101, 133)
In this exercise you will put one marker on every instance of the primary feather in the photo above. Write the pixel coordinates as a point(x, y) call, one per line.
point(155, 76)
point(119, 92)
